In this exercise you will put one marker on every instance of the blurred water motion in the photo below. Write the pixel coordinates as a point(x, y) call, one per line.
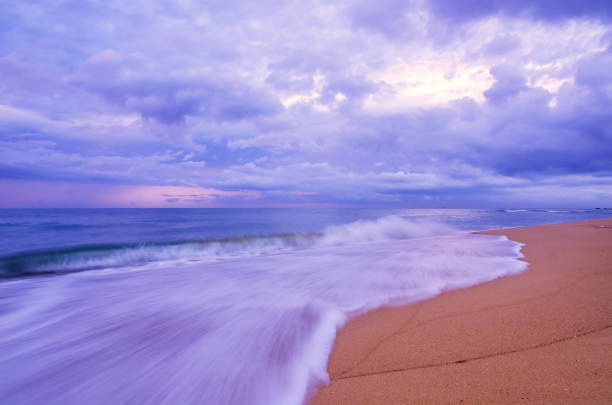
point(253, 329)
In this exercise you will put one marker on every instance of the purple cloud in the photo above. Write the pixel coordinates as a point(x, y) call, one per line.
point(129, 82)
point(541, 9)
point(509, 82)
point(423, 103)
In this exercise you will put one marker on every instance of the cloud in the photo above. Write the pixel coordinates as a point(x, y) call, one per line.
point(387, 17)
point(43, 160)
point(594, 71)
point(418, 102)
point(509, 82)
point(540, 9)
point(501, 45)
point(132, 83)
point(60, 194)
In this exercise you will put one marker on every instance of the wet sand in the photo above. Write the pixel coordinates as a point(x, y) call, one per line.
point(544, 336)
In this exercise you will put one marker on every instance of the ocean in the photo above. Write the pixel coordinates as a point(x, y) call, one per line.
point(220, 306)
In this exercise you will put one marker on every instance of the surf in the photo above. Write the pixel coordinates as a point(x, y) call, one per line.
point(254, 326)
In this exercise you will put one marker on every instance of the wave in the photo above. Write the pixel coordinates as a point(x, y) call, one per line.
point(383, 229)
point(549, 210)
point(255, 329)
point(105, 256)
point(92, 257)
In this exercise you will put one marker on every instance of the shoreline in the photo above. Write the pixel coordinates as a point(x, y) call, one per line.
point(542, 336)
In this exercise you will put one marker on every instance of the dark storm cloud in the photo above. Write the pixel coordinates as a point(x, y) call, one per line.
point(527, 136)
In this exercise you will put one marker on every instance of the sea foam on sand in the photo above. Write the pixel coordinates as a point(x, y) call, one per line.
point(249, 328)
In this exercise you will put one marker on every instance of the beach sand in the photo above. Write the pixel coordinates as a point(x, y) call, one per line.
point(543, 336)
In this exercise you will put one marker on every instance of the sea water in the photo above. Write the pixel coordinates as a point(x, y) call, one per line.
point(219, 306)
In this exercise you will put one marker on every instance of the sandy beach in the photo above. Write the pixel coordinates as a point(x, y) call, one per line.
point(543, 336)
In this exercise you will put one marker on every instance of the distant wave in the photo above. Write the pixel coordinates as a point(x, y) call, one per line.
point(552, 211)
point(104, 256)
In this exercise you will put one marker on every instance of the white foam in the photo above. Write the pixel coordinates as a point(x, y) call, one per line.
point(384, 229)
point(246, 329)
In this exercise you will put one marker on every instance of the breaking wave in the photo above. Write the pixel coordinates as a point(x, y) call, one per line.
point(105, 256)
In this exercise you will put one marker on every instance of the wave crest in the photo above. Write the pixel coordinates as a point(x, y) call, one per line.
point(383, 229)
point(92, 257)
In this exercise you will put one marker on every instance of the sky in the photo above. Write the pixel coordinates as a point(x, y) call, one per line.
point(179, 103)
